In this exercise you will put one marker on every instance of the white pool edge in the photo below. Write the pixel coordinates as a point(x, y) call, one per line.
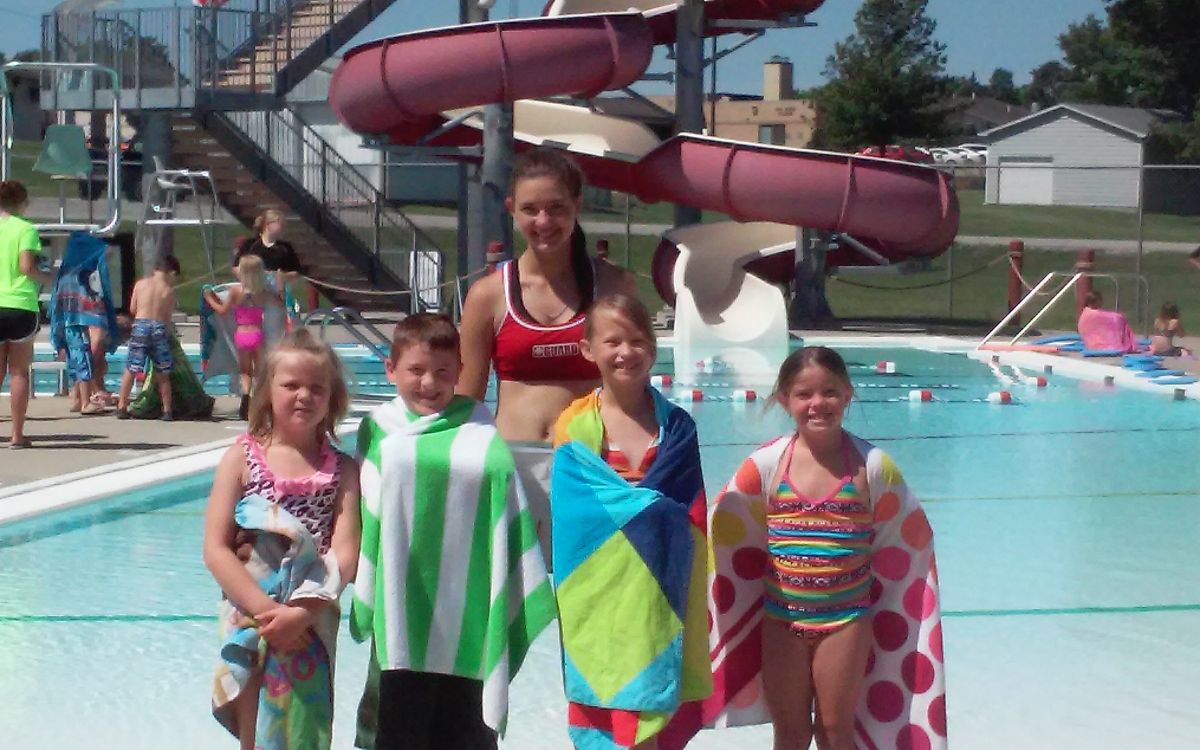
point(31, 499)
point(1094, 372)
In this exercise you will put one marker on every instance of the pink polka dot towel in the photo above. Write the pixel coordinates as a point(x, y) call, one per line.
point(903, 701)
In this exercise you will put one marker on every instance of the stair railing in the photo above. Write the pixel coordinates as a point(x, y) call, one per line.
point(312, 164)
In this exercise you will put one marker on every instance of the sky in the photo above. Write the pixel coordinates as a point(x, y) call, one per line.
point(980, 35)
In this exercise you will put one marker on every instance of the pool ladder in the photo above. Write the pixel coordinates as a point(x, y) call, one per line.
point(1072, 278)
point(360, 329)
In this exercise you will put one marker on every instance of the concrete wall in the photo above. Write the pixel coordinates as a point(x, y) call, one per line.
point(1070, 140)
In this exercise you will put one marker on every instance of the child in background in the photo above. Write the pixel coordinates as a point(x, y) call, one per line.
point(248, 300)
point(1166, 327)
point(628, 508)
point(281, 539)
point(151, 304)
point(823, 572)
point(451, 585)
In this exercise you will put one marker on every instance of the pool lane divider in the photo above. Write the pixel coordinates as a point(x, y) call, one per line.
point(743, 396)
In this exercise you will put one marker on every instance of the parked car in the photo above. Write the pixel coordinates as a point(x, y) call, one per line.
point(899, 152)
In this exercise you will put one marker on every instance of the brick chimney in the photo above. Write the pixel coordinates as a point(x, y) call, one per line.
point(777, 79)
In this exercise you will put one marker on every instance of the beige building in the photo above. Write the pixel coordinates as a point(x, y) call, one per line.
point(777, 117)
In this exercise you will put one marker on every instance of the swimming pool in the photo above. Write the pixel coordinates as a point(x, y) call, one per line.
point(1065, 526)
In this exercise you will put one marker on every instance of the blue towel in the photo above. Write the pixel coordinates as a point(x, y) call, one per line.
point(82, 291)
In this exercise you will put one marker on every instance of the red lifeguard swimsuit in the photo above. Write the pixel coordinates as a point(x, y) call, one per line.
point(528, 351)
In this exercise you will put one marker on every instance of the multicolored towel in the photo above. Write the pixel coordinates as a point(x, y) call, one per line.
point(295, 707)
point(903, 701)
point(629, 575)
point(1106, 330)
point(450, 578)
point(82, 291)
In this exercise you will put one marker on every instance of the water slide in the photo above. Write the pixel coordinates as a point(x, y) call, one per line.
point(405, 87)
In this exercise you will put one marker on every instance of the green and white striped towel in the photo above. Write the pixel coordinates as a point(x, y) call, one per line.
point(450, 578)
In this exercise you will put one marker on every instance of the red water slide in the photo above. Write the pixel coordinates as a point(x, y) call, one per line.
point(398, 87)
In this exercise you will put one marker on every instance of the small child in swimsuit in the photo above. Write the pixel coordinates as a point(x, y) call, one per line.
point(1166, 327)
point(281, 538)
point(152, 303)
point(816, 633)
point(248, 300)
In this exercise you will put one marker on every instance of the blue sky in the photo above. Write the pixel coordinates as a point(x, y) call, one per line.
point(980, 35)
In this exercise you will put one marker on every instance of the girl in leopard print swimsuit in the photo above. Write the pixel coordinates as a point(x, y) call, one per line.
point(283, 495)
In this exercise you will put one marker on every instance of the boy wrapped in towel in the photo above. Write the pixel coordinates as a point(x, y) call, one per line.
point(451, 585)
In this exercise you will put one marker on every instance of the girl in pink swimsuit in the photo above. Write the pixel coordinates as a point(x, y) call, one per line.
point(248, 301)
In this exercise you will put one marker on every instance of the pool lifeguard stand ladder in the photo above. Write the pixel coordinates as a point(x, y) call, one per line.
point(64, 153)
point(160, 212)
point(1042, 289)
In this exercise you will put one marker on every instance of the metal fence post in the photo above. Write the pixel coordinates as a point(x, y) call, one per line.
point(950, 282)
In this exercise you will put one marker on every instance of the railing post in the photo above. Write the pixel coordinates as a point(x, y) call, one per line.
point(137, 60)
point(1085, 263)
point(1016, 258)
point(376, 216)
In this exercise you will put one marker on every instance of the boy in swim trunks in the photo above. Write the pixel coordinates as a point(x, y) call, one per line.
point(151, 305)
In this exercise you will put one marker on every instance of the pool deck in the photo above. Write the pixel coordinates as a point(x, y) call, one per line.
point(66, 443)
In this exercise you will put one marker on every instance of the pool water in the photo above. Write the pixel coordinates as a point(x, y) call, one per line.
point(1065, 530)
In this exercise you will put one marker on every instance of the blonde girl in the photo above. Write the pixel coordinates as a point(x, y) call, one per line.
point(283, 493)
point(249, 300)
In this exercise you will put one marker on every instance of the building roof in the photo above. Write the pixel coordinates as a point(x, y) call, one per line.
point(1134, 121)
point(989, 111)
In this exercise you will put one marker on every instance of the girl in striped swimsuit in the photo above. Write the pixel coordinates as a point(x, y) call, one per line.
point(817, 631)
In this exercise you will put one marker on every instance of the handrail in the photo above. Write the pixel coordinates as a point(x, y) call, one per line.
point(343, 317)
point(1075, 276)
point(317, 167)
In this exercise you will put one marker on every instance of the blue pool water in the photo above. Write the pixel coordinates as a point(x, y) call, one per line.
point(1065, 530)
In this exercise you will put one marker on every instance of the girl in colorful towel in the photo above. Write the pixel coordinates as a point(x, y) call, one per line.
point(628, 507)
point(823, 571)
point(281, 538)
point(248, 300)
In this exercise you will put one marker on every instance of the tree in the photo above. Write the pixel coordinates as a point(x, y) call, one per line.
point(1001, 86)
point(885, 81)
point(1046, 84)
point(1167, 33)
point(1106, 69)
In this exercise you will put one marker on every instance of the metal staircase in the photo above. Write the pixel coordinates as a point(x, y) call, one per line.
point(344, 233)
point(224, 73)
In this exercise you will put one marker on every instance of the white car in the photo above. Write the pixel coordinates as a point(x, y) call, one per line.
point(976, 152)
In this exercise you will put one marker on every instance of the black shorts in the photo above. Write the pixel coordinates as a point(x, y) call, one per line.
point(17, 326)
point(425, 711)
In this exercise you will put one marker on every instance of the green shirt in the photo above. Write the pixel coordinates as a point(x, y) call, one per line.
point(17, 291)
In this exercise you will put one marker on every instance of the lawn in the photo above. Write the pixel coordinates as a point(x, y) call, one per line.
point(981, 297)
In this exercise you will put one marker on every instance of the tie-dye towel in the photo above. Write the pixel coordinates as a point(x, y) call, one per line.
point(903, 700)
point(295, 708)
point(629, 574)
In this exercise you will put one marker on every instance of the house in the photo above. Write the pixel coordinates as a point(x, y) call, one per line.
point(1071, 155)
point(977, 114)
point(777, 117)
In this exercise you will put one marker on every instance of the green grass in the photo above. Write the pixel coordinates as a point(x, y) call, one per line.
point(981, 298)
point(1069, 221)
point(22, 156)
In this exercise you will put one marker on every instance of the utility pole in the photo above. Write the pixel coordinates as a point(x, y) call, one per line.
point(689, 83)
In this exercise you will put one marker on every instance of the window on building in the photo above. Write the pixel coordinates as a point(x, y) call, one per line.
point(775, 135)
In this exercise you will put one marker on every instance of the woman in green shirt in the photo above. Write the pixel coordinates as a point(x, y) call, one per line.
point(19, 279)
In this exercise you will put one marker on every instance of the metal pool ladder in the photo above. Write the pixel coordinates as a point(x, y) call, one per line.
point(1072, 278)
